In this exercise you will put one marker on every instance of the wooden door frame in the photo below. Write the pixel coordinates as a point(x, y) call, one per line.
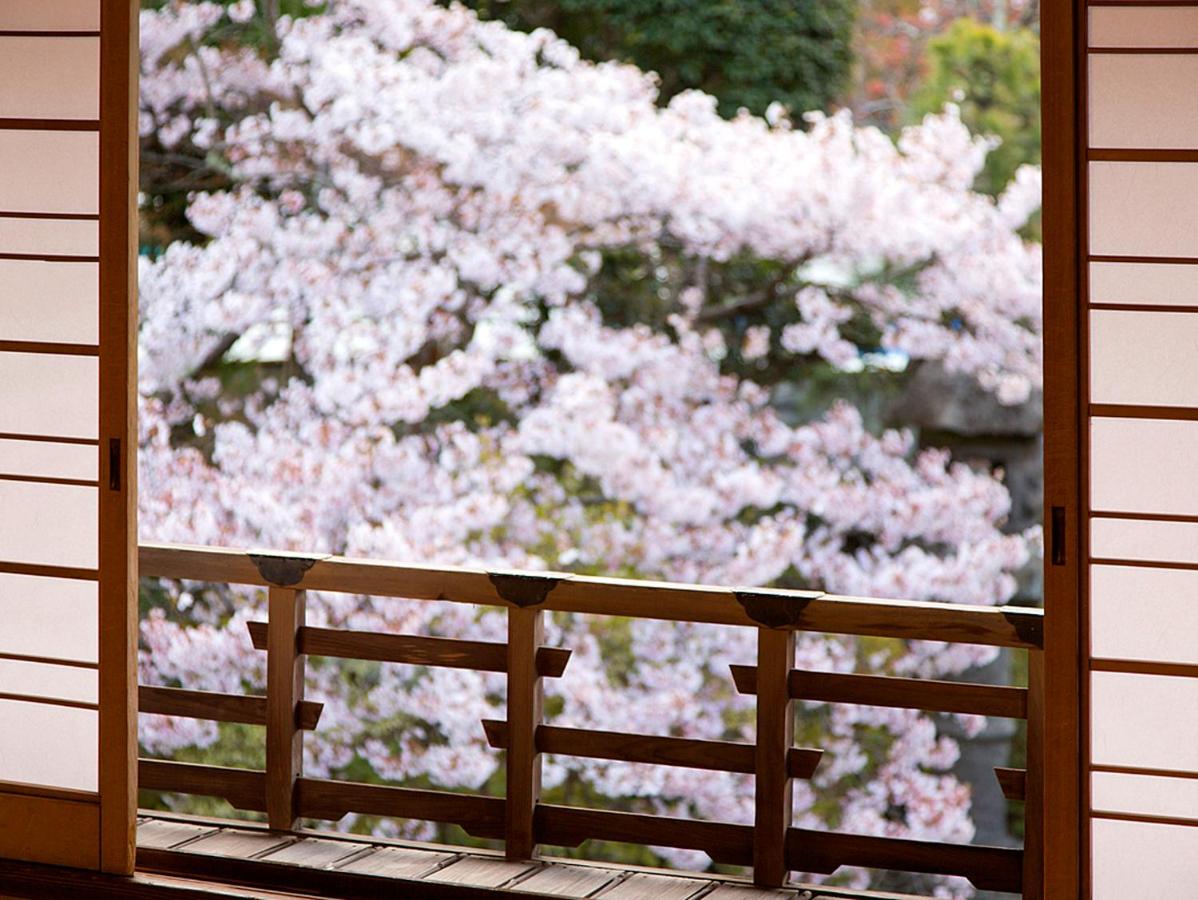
point(1062, 36)
point(118, 606)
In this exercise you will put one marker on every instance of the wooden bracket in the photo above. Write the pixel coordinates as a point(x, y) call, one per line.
point(283, 569)
point(524, 589)
point(775, 609)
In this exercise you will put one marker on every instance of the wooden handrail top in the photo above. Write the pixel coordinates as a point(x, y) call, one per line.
point(1006, 626)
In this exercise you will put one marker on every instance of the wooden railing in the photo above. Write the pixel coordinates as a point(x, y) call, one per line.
point(771, 846)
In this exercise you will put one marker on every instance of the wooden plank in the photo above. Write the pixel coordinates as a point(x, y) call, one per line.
point(219, 707)
point(1012, 781)
point(238, 843)
point(655, 887)
point(558, 880)
point(1032, 783)
point(414, 650)
point(525, 702)
point(323, 799)
point(775, 737)
point(481, 872)
point(117, 445)
point(566, 826)
point(953, 623)
point(284, 691)
point(50, 830)
point(988, 868)
point(244, 789)
point(898, 693)
point(719, 756)
point(397, 862)
point(156, 834)
point(315, 853)
point(745, 892)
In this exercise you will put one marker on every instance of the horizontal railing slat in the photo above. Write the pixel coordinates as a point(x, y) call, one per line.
point(245, 789)
point(948, 622)
point(319, 798)
point(898, 693)
point(565, 826)
point(417, 650)
point(988, 868)
point(217, 707)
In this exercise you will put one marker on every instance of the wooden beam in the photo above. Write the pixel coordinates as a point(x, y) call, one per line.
point(775, 737)
point(525, 702)
point(284, 692)
point(899, 693)
point(1014, 786)
point(949, 622)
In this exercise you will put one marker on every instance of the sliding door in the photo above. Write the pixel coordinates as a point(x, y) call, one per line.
point(67, 436)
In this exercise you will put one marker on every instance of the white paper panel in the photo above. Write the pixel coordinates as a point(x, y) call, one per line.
point(1138, 539)
point(50, 171)
point(49, 237)
point(49, 394)
point(50, 15)
point(1145, 795)
point(42, 459)
point(1148, 358)
point(49, 301)
point(1146, 721)
point(1148, 284)
point(35, 679)
point(49, 524)
point(50, 617)
point(1153, 26)
point(50, 77)
point(1143, 860)
point(56, 746)
point(1144, 614)
point(1144, 466)
point(1139, 100)
point(1143, 209)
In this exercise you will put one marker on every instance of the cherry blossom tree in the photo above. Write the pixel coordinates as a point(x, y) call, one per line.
point(384, 330)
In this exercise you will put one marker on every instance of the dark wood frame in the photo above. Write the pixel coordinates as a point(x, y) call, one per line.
point(1063, 34)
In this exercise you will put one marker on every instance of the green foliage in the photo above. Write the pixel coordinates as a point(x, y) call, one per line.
point(994, 76)
point(747, 53)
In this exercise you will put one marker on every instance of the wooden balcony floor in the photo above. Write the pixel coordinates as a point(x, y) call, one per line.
point(324, 865)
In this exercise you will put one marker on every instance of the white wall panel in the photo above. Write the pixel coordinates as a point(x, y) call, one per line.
point(1144, 284)
point(49, 394)
point(1148, 358)
point(33, 610)
point(45, 680)
point(1145, 27)
point(1142, 100)
point(48, 745)
point(44, 459)
point(56, 302)
point(1144, 614)
point(1145, 721)
point(1142, 539)
point(49, 524)
point(1143, 209)
point(1145, 795)
point(1143, 860)
point(49, 237)
point(49, 77)
point(50, 15)
point(50, 172)
point(1144, 466)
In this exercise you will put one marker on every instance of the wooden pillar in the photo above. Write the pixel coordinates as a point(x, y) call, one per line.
point(284, 691)
point(1033, 807)
point(775, 736)
point(525, 701)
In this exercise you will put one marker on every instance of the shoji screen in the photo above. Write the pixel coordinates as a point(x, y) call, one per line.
point(1140, 322)
point(67, 573)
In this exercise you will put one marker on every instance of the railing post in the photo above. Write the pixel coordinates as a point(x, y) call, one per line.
point(284, 691)
point(1033, 806)
point(775, 736)
point(525, 701)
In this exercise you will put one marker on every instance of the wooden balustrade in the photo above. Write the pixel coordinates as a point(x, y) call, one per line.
point(771, 846)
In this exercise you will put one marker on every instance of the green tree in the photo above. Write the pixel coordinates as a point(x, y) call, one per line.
point(747, 53)
point(994, 76)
